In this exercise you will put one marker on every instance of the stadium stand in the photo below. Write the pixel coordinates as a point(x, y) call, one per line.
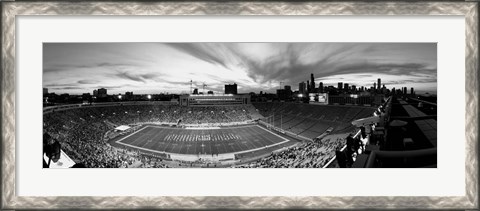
point(81, 131)
point(311, 121)
point(84, 131)
point(313, 154)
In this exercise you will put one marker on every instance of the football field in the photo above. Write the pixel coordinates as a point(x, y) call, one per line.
point(202, 141)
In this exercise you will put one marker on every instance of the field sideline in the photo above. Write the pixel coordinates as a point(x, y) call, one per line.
point(228, 140)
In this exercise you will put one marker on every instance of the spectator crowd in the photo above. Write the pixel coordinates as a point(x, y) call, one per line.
point(81, 131)
point(314, 154)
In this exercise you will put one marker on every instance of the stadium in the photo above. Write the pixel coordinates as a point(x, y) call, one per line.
point(121, 134)
point(335, 120)
point(245, 135)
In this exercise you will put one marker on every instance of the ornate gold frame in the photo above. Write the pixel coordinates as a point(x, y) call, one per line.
point(11, 9)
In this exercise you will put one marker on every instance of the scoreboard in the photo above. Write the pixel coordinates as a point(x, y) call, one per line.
point(318, 98)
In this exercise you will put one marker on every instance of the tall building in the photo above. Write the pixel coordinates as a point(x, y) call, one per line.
point(412, 92)
point(354, 88)
point(86, 96)
point(374, 86)
point(195, 91)
point(231, 88)
point(288, 91)
point(340, 84)
point(320, 87)
point(102, 92)
point(301, 88)
point(312, 86)
point(308, 86)
point(45, 91)
point(282, 94)
point(95, 92)
point(128, 95)
point(379, 84)
point(346, 87)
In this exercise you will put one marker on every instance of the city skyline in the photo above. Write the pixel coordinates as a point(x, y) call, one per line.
point(150, 68)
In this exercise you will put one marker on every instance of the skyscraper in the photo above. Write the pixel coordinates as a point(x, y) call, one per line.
point(308, 86)
point(128, 95)
point(379, 84)
point(320, 87)
point(231, 88)
point(312, 85)
point(102, 93)
point(340, 84)
point(412, 91)
point(374, 86)
point(288, 91)
point(45, 91)
point(346, 87)
point(301, 87)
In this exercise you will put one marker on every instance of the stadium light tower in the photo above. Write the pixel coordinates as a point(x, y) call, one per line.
point(204, 85)
point(191, 83)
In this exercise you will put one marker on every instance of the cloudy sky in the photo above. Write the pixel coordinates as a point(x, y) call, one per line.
point(150, 68)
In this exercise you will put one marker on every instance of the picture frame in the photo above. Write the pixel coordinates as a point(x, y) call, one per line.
point(11, 10)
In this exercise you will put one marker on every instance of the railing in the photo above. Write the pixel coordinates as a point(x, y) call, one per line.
point(343, 148)
point(74, 106)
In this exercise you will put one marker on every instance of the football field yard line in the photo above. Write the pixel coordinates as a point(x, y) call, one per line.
point(129, 136)
point(224, 147)
point(168, 144)
point(265, 141)
point(140, 138)
point(148, 139)
point(278, 143)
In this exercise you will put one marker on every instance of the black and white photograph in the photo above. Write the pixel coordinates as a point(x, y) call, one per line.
point(239, 105)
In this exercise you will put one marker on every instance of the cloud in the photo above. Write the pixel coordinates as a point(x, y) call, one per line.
point(291, 65)
point(383, 68)
point(108, 64)
point(55, 68)
point(293, 71)
point(137, 77)
point(52, 69)
point(412, 81)
point(253, 66)
point(57, 84)
point(88, 81)
point(66, 88)
point(114, 87)
point(208, 52)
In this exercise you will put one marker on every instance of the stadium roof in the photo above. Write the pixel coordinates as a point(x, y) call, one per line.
point(427, 126)
point(122, 128)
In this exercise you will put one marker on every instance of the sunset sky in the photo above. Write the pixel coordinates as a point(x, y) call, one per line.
point(151, 68)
